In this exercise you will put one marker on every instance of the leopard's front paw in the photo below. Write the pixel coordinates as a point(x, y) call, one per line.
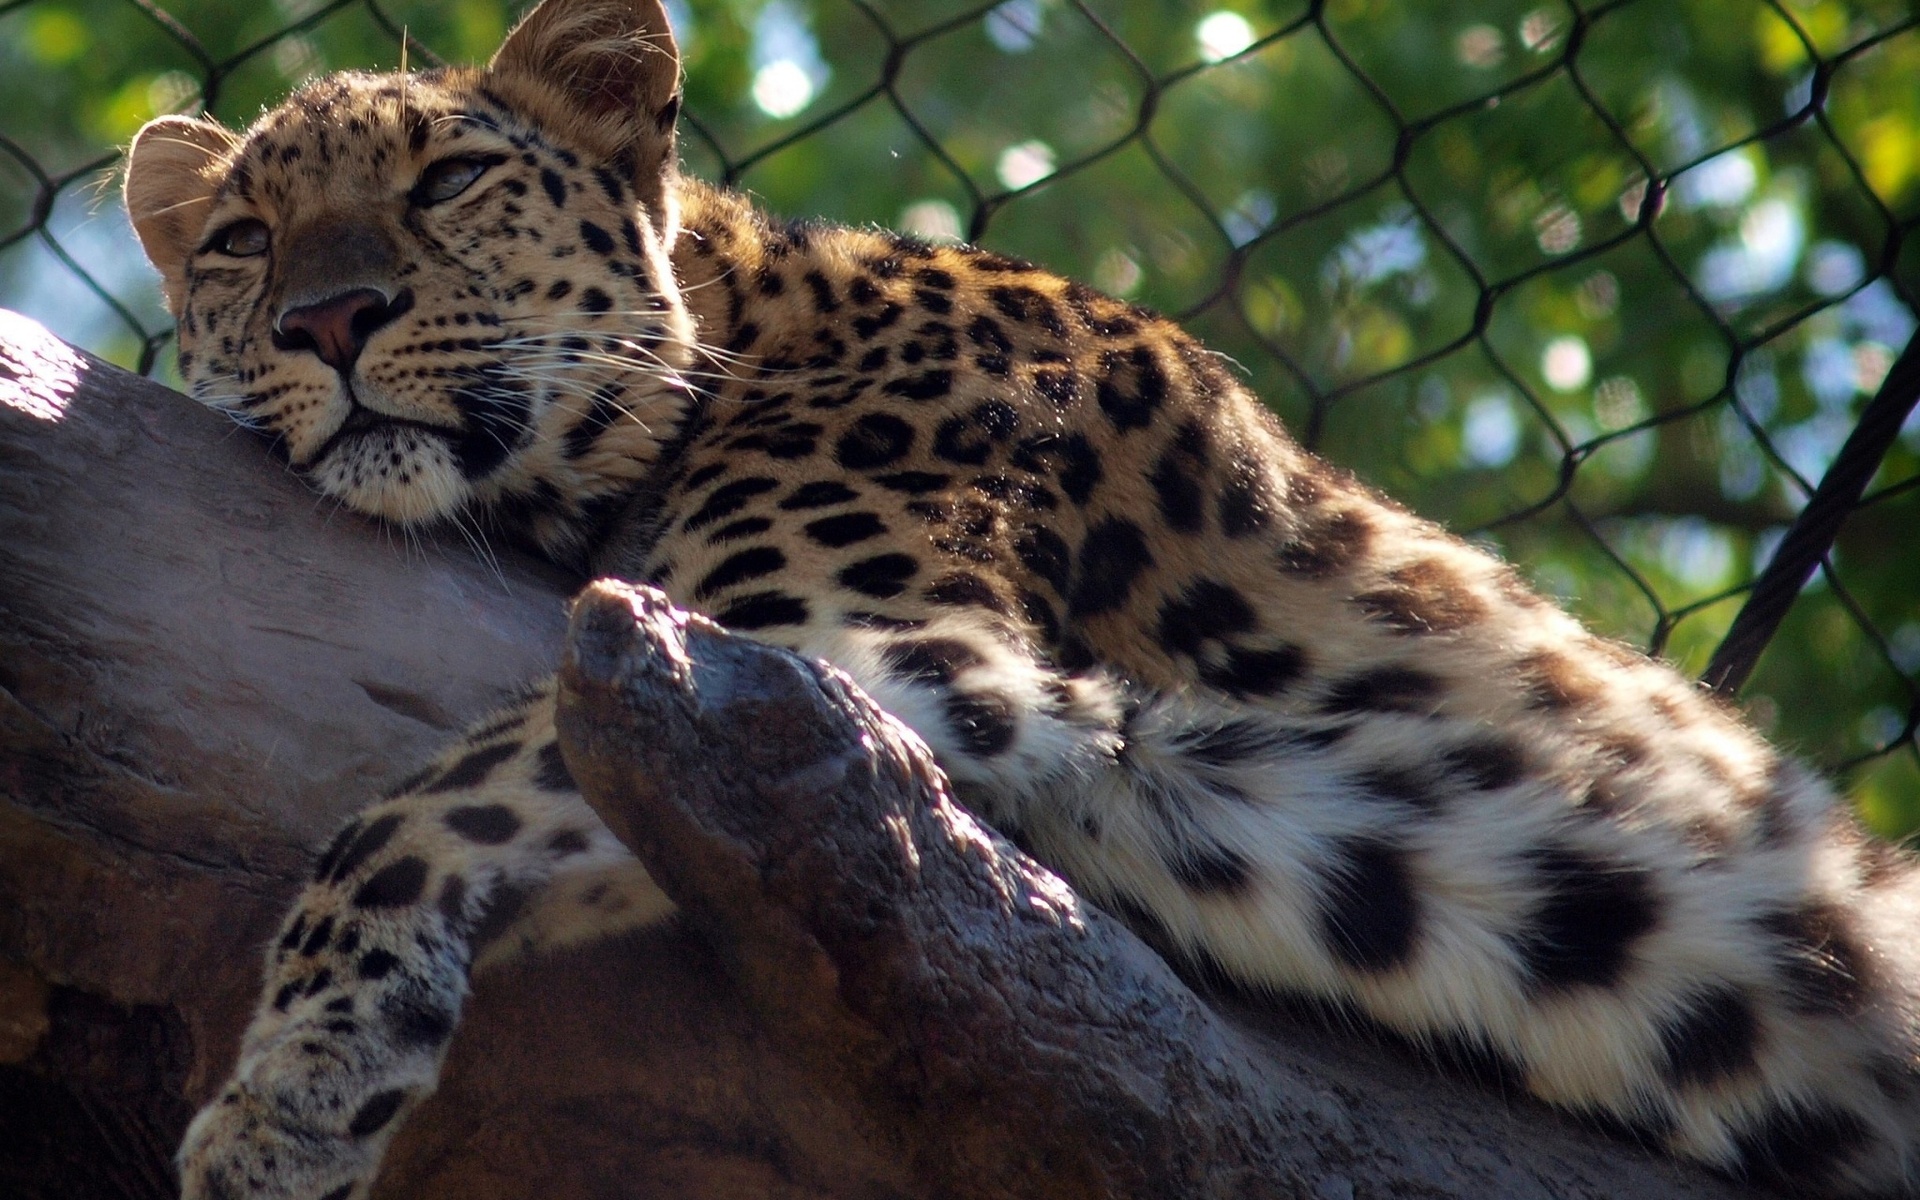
point(285, 1132)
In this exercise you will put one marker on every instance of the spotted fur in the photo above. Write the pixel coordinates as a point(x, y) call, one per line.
point(1306, 740)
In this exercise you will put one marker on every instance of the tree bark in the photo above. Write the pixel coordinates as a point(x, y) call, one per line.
point(869, 994)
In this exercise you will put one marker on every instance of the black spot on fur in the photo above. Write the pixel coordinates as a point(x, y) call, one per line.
point(339, 1193)
point(1132, 387)
point(738, 568)
point(865, 327)
point(1648, 1130)
point(285, 996)
point(821, 493)
point(1046, 554)
point(1177, 476)
point(1207, 611)
point(567, 842)
point(845, 529)
point(1246, 502)
point(1211, 870)
point(416, 1022)
point(453, 899)
point(373, 1116)
point(875, 440)
point(1773, 823)
point(1821, 960)
point(883, 576)
point(1111, 559)
point(473, 768)
point(1712, 1038)
point(1422, 597)
point(1040, 613)
point(913, 483)
point(794, 441)
point(956, 441)
point(1071, 455)
point(1486, 763)
point(822, 289)
point(502, 908)
point(1025, 305)
point(377, 964)
point(1799, 1144)
point(1369, 912)
point(602, 414)
point(1248, 672)
point(1198, 624)
point(931, 660)
point(928, 385)
point(727, 499)
point(318, 939)
point(1472, 1056)
point(594, 300)
point(1555, 682)
point(487, 824)
point(496, 413)
point(1233, 742)
point(962, 589)
point(745, 334)
point(704, 475)
point(996, 356)
point(336, 848)
point(1061, 387)
point(1326, 543)
point(1591, 913)
point(550, 770)
point(371, 839)
point(556, 187)
point(983, 723)
point(762, 610)
point(733, 531)
point(1029, 496)
point(1404, 785)
point(1383, 689)
point(395, 885)
point(597, 239)
point(295, 932)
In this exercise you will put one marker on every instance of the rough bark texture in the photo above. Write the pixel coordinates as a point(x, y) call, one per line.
point(201, 672)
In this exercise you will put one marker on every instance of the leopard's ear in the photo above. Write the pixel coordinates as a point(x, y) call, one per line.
point(611, 65)
point(173, 169)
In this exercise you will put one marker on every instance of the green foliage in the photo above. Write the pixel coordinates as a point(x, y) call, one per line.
point(1418, 227)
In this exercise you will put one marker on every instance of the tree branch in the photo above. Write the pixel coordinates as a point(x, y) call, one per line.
point(871, 994)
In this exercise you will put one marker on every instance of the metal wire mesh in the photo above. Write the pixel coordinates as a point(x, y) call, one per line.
point(1550, 83)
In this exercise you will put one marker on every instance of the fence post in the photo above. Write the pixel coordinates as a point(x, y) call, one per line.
point(1814, 530)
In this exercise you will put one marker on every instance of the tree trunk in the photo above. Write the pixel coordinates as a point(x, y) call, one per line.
point(202, 672)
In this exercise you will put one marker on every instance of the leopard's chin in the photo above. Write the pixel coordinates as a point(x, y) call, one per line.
point(394, 470)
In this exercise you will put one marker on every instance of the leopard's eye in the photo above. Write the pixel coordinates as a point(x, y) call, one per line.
point(242, 239)
point(446, 179)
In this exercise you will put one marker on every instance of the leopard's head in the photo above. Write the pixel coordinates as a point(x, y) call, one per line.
point(441, 289)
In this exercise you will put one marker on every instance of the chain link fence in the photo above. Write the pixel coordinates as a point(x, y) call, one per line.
point(1626, 289)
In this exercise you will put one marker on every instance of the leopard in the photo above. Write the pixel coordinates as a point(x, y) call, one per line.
point(1305, 740)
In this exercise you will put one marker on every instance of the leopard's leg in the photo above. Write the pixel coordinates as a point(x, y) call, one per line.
point(490, 851)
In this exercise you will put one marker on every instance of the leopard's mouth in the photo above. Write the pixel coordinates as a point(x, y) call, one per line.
point(363, 421)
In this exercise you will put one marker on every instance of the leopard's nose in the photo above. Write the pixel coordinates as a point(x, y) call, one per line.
point(337, 328)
